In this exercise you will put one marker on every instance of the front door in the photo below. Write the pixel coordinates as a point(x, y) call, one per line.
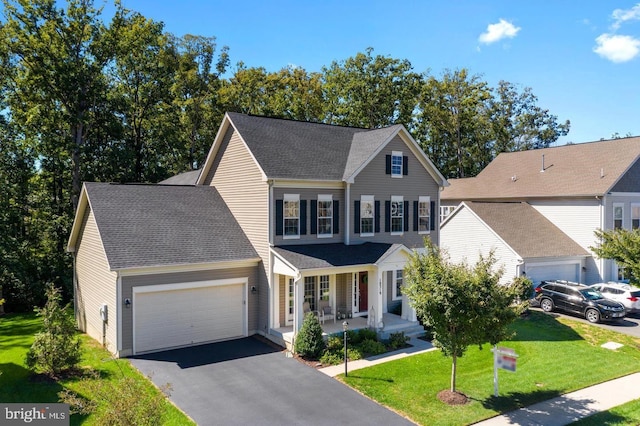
point(363, 291)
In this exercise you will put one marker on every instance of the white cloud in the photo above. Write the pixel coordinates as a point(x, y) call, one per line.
point(499, 31)
point(621, 15)
point(617, 48)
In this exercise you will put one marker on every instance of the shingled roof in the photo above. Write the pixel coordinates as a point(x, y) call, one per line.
point(585, 169)
point(301, 150)
point(186, 178)
point(160, 225)
point(525, 230)
point(317, 256)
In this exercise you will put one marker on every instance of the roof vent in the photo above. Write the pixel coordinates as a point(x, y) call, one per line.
point(542, 169)
point(514, 178)
point(601, 172)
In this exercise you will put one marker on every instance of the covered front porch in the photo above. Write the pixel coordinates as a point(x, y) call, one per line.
point(358, 284)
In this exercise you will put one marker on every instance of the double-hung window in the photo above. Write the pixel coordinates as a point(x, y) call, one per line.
point(397, 215)
point(635, 216)
point(396, 164)
point(618, 215)
point(367, 212)
point(291, 216)
point(324, 287)
point(424, 215)
point(397, 285)
point(325, 216)
point(310, 292)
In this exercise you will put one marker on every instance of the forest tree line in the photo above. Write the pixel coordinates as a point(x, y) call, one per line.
point(84, 97)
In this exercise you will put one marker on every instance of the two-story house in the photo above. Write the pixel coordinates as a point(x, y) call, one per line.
point(538, 209)
point(284, 218)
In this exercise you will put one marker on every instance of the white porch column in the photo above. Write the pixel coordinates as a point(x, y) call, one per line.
point(298, 297)
point(379, 298)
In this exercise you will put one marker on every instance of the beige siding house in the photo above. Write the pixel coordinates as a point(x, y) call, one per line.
point(578, 188)
point(285, 217)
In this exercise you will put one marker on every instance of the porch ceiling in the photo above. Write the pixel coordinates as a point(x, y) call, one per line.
point(316, 256)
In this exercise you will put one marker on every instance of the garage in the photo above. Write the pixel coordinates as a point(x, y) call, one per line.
point(186, 314)
point(562, 271)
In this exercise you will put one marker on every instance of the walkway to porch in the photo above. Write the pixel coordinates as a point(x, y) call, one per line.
point(392, 324)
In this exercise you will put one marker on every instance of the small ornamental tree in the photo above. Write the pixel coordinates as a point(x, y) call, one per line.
point(309, 342)
point(56, 348)
point(623, 246)
point(462, 305)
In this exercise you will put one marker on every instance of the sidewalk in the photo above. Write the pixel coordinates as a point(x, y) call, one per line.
point(573, 406)
point(558, 411)
point(417, 346)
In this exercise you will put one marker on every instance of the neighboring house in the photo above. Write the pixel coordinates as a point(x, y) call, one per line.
point(578, 188)
point(283, 216)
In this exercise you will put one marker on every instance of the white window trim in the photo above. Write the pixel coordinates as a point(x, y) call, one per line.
point(425, 199)
point(399, 199)
point(632, 218)
point(397, 154)
point(324, 197)
point(371, 199)
point(613, 223)
point(290, 197)
point(448, 210)
point(395, 285)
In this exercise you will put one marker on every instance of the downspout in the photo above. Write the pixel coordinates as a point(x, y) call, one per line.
point(347, 201)
point(270, 279)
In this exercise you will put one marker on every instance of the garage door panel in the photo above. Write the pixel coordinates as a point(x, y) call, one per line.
point(567, 272)
point(183, 317)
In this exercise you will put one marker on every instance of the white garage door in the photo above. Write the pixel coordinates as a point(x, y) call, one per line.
point(566, 271)
point(170, 317)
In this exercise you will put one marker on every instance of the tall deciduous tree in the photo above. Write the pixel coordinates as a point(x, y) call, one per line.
point(462, 305)
point(623, 246)
point(370, 91)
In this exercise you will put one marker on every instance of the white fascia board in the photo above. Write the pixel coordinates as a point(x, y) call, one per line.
point(83, 201)
point(189, 267)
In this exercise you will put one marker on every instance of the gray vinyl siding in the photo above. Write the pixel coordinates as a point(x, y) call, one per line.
point(128, 282)
point(372, 180)
point(239, 181)
point(630, 181)
point(308, 195)
point(95, 284)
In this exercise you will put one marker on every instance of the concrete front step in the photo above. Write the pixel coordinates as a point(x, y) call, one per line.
point(415, 330)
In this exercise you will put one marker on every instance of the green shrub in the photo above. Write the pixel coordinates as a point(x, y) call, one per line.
point(372, 347)
point(332, 358)
point(397, 340)
point(367, 334)
point(354, 354)
point(56, 348)
point(335, 343)
point(309, 342)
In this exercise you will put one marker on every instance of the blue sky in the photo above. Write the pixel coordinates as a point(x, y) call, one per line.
point(581, 58)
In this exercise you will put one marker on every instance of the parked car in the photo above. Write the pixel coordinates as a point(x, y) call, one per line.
point(579, 299)
point(626, 294)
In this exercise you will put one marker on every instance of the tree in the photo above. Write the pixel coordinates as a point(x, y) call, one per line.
point(370, 91)
point(309, 342)
point(623, 246)
point(462, 305)
point(56, 348)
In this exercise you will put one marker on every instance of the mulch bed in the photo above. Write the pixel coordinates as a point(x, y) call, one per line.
point(452, 398)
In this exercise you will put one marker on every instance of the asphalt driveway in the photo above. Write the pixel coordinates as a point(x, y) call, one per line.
point(248, 381)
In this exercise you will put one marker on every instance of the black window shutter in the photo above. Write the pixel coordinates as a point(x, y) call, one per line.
point(432, 215)
point(377, 217)
point(405, 165)
point(303, 217)
point(415, 216)
point(388, 167)
point(336, 217)
point(387, 216)
point(314, 216)
point(356, 217)
point(406, 216)
point(279, 216)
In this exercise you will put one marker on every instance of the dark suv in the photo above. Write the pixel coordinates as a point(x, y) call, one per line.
point(580, 300)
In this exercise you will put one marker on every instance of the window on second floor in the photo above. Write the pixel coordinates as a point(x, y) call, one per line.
point(397, 215)
point(445, 211)
point(396, 164)
point(291, 216)
point(424, 215)
point(618, 215)
point(367, 213)
point(635, 216)
point(325, 216)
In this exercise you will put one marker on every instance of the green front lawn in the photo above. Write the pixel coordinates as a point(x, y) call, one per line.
point(556, 356)
point(17, 384)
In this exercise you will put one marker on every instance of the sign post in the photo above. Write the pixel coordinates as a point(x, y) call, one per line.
point(504, 358)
